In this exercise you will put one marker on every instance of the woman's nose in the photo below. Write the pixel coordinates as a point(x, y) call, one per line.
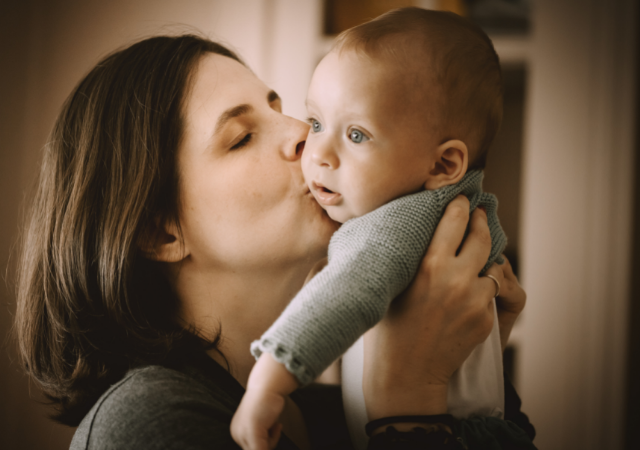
point(295, 142)
point(293, 150)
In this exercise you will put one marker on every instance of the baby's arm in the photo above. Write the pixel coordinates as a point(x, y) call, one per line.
point(367, 268)
point(372, 259)
point(255, 424)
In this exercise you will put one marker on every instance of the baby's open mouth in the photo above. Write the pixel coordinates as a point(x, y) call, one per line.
point(325, 196)
point(319, 188)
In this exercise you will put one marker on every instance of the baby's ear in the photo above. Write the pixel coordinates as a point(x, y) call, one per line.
point(449, 164)
point(163, 243)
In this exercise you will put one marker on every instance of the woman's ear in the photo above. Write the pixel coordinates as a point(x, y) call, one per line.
point(449, 164)
point(163, 243)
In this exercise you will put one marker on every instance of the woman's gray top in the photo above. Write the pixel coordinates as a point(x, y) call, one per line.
point(372, 259)
point(189, 406)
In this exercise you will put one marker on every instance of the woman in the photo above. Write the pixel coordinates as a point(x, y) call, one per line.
point(170, 228)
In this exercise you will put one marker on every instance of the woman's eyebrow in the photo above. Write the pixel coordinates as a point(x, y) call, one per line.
point(240, 110)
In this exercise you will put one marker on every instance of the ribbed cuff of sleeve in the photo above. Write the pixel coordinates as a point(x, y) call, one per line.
point(285, 357)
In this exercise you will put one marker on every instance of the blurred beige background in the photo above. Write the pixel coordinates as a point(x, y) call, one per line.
point(564, 168)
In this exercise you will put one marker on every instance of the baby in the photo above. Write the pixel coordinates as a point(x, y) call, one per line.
point(402, 112)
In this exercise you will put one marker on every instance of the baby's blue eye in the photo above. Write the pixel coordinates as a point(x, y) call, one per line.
point(316, 126)
point(357, 136)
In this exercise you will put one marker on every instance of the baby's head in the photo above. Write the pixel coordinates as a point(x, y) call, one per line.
point(409, 101)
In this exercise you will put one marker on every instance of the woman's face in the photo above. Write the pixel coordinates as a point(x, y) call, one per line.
point(244, 202)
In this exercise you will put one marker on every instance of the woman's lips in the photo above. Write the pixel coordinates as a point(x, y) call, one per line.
point(325, 196)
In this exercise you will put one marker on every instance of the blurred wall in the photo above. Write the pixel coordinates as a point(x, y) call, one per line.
point(577, 231)
point(22, 421)
point(632, 410)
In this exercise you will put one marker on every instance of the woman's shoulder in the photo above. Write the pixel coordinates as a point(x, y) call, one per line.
point(158, 407)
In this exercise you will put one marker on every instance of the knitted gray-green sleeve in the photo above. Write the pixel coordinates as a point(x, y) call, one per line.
point(372, 259)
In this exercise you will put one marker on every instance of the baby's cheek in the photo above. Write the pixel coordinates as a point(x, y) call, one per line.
point(366, 201)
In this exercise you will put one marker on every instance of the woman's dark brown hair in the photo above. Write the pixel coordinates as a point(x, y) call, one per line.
point(89, 305)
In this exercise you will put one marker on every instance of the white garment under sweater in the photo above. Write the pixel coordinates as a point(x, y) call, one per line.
point(476, 389)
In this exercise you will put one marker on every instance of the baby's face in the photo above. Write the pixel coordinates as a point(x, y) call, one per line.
point(366, 145)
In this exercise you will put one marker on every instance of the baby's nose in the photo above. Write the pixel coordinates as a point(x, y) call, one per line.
point(325, 156)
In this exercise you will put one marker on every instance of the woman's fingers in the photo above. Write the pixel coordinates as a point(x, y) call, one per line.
point(512, 297)
point(510, 303)
point(451, 228)
point(274, 435)
point(477, 247)
point(508, 270)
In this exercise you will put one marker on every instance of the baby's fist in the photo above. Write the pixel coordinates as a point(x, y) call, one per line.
point(255, 424)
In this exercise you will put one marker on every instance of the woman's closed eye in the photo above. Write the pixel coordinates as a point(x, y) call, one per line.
point(357, 136)
point(244, 141)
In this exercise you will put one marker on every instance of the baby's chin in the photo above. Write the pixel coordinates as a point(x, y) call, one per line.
point(339, 214)
point(344, 211)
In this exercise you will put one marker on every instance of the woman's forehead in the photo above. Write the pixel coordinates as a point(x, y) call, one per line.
point(220, 82)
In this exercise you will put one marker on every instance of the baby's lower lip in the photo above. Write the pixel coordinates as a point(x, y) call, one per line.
point(326, 197)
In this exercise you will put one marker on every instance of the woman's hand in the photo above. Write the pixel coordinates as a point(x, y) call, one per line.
point(432, 328)
point(510, 302)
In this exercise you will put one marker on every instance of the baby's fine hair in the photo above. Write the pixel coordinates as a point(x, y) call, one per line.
point(455, 59)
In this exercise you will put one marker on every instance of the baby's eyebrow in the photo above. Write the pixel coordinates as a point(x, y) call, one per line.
point(231, 113)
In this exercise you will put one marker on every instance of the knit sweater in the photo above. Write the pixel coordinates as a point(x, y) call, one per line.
point(372, 259)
